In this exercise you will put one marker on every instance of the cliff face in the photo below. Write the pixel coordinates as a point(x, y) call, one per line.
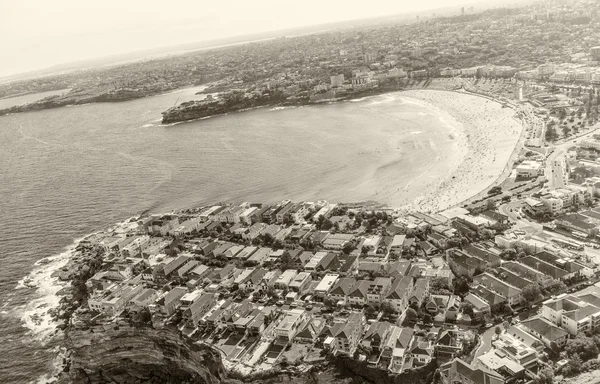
point(128, 355)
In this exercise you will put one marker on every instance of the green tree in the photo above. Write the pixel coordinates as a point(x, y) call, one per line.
point(582, 347)
point(388, 308)
point(531, 292)
point(545, 376)
point(411, 315)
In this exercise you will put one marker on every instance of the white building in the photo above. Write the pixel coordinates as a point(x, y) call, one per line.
point(326, 284)
point(529, 169)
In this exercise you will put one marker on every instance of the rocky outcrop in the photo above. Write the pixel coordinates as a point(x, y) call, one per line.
point(123, 354)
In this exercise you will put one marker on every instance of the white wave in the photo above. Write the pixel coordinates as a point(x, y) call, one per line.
point(416, 132)
point(149, 125)
point(357, 100)
point(36, 315)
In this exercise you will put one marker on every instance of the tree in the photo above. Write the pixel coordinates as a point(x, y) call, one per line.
point(562, 114)
point(388, 308)
point(438, 286)
point(329, 302)
point(495, 190)
point(551, 134)
point(141, 318)
point(531, 292)
point(545, 376)
point(427, 319)
point(573, 367)
point(498, 330)
point(411, 315)
point(467, 309)
point(348, 248)
point(509, 254)
point(461, 285)
point(582, 347)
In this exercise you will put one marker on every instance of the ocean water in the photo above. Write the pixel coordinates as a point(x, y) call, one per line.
point(67, 172)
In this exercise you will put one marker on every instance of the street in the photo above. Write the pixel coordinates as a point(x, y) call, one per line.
point(486, 342)
point(559, 150)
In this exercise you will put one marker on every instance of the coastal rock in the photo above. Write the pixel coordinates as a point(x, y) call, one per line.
point(123, 354)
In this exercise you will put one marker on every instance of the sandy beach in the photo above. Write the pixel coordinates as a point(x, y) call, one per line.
point(485, 137)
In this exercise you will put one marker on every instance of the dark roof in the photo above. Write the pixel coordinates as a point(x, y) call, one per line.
point(343, 286)
point(545, 328)
point(545, 268)
point(513, 278)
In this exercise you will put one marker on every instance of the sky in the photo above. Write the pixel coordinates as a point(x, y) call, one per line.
point(36, 34)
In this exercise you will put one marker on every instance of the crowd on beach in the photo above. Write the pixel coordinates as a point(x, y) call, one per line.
point(486, 137)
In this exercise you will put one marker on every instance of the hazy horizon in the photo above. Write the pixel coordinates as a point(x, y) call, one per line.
point(36, 35)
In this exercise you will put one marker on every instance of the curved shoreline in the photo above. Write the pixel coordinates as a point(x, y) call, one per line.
point(462, 129)
point(464, 182)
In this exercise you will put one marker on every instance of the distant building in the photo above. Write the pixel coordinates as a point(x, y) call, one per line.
point(337, 80)
point(368, 58)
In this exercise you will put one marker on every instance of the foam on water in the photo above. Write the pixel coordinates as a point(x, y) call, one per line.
point(36, 314)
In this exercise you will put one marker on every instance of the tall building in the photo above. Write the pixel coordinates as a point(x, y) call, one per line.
point(462, 11)
point(337, 81)
point(368, 57)
point(595, 53)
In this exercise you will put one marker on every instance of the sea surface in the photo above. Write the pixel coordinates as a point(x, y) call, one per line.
point(67, 172)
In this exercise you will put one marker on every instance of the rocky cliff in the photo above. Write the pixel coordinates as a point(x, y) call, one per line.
point(123, 354)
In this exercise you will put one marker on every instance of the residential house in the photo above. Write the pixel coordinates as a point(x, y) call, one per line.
point(300, 282)
point(337, 241)
point(358, 294)
point(144, 298)
point(398, 244)
point(421, 351)
point(168, 303)
point(547, 332)
point(517, 351)
point(512, 294)
point(290, 324)
point(347, 334)
point(448, 345)
point(322, 289)
point(481, 307)
point(310, 332)
point(393, 350)
point(199, 307)
point(399, 292)
point(315, 261)
point(378, 289)
point(497, 361)
point(245, 253)
point(260, 256)
point(419, 292)
point(284, 280)
point(458, 371)
point(342, 288)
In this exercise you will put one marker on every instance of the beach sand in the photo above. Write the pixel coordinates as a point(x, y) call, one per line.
point(485, 138)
